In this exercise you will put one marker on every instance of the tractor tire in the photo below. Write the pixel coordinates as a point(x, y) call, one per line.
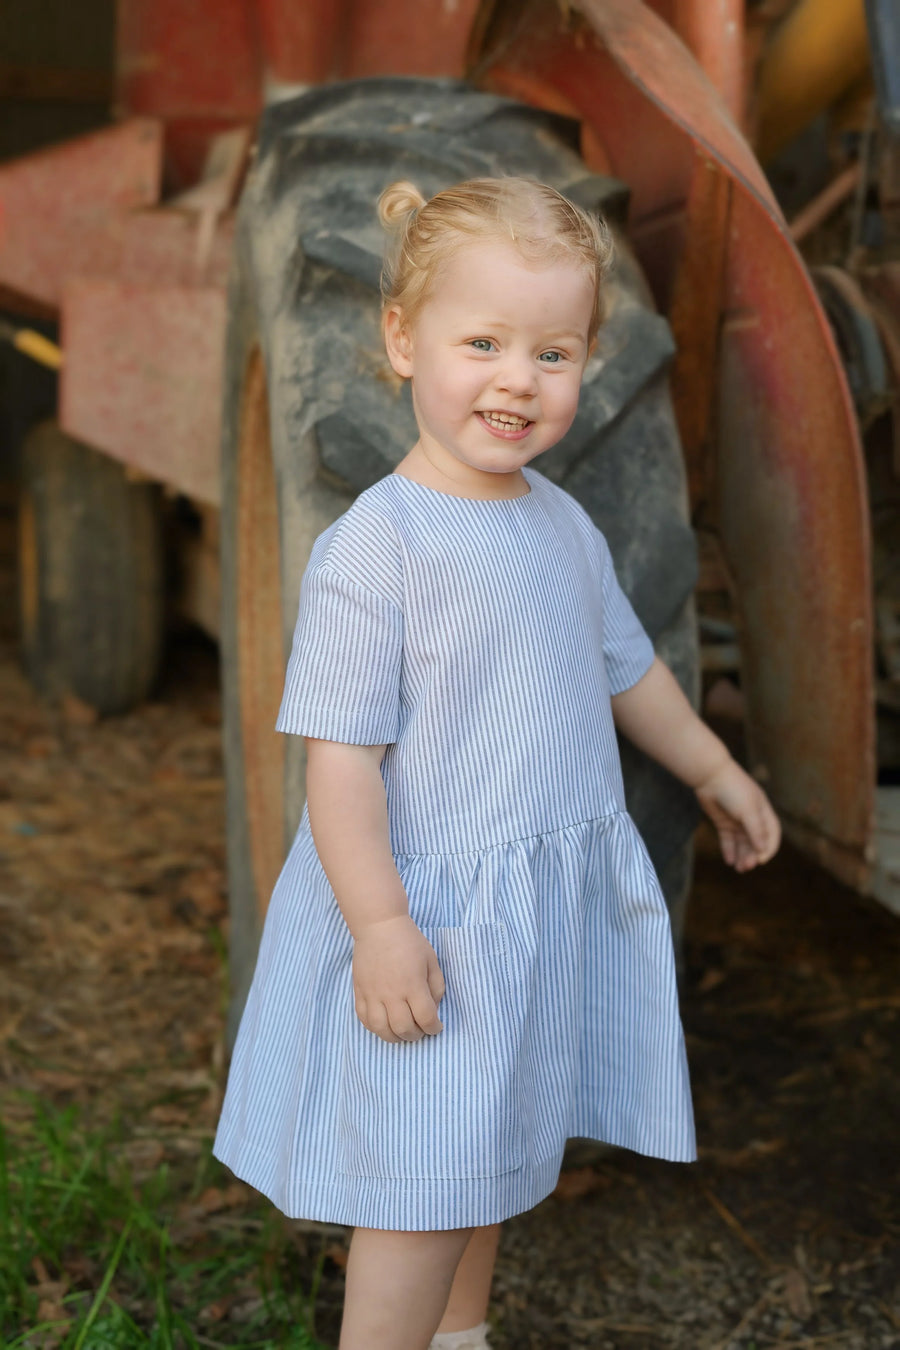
point(314, 415)
point(90, 574)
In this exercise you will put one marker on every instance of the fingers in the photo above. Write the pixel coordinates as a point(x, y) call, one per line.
point(374, 1018)
point(436, 982)
point(761, 833)
point(401, 1020)
point(423, 1010)
point(744, 848)
point(768, 832)
point(413, 1018)
point(728, 845)
point(397, 982)
point(748, 828)
point(746, 855)
point(738, 849)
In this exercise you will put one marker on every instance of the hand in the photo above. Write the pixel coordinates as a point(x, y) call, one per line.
point(749, 830)
point(397, 982)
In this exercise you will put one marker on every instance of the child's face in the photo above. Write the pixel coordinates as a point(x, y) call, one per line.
point(496, 356)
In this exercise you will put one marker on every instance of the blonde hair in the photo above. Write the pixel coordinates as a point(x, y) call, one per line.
point(542, 224)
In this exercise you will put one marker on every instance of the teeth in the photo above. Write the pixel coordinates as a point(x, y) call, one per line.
point(505, 420)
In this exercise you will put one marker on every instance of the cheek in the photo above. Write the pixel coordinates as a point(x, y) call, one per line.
point(447, 390)
point(430, 383)
point(456, 387)
point(562, 399)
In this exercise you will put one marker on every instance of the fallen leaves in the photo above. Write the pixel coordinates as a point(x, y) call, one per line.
point(796, 1294)
point(108, 969)
point(77, 712)
point(216, 1198)
point(338, 1253)
point(736, 1226)
point(741, 1158)
point(50, 1294)
point(577, 1182)
point(711, 979)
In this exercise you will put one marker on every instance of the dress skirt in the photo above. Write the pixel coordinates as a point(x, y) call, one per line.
point(560, 1019)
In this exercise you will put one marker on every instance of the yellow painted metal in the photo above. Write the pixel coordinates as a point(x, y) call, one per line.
point(814, 56)
point(39, 348)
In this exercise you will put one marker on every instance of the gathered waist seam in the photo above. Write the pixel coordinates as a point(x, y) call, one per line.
point(504, 843)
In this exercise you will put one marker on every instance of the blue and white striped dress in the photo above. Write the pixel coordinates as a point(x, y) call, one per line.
point(481, 641)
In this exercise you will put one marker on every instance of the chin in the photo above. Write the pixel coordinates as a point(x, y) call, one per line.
point(498, 468)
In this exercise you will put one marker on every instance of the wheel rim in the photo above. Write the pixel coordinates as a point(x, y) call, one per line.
point(260, 647)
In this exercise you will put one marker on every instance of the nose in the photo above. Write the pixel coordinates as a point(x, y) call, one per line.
point(517, 376)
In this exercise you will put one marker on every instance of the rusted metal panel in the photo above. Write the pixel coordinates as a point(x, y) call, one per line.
point(793, 510)
point(682, 107)
point(199, 60)
point(407, 37)
point(63, 210)
point(171, 246)
point(302, 43)
point(188, 141)
point(530, 86)
point(793, 517)
point(143, 377)
point(196, 67)
point(694, 314)
point(204, 66)
point(714, 32)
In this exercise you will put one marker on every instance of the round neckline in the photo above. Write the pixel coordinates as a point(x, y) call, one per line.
point(479, 501)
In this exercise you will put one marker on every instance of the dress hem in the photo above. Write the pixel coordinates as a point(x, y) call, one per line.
point(422, 1205)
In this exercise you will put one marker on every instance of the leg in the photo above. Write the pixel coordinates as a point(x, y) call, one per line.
point(397, 1287)
point(468, 1301)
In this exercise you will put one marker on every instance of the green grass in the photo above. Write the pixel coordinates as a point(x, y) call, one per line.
point(122, 1261)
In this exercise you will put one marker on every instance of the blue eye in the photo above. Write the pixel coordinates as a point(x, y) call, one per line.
point(482, 344)
point(551, 358)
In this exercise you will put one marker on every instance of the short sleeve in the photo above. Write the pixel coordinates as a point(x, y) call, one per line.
point(343, 675)
point(626, 647)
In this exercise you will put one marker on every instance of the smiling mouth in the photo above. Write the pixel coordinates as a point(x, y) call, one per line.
point(503, 421)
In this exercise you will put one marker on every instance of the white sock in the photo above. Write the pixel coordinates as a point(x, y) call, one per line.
point(475, 1339)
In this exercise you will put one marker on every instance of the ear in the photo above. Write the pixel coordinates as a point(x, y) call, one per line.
point(398, 341)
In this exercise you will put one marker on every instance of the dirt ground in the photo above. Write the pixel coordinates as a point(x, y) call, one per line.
point(785, 1234)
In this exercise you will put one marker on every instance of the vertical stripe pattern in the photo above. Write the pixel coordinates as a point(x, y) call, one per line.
point(480, 640)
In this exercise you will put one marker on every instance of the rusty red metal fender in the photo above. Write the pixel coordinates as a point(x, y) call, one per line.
point(787, 485)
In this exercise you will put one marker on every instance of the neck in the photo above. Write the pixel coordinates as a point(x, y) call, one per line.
point(461, 480)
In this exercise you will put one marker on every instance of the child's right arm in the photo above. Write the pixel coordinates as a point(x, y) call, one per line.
point(397, 982)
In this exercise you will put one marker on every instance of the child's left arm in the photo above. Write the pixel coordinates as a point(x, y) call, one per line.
point(657, 717)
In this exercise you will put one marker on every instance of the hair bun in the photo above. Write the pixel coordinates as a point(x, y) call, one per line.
point(397, 202)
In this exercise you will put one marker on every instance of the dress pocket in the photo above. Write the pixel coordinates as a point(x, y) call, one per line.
point(446, 1107)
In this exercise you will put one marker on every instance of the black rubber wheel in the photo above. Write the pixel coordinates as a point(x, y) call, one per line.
point(313, 415)
point(90, 574)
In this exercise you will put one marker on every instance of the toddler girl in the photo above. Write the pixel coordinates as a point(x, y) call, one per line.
point(467, 958)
